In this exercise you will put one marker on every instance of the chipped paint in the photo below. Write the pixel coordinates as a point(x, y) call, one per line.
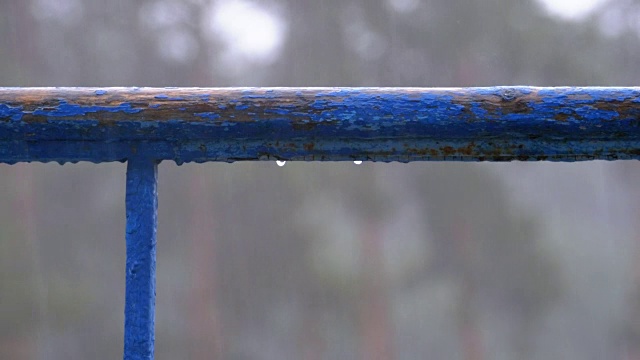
point(141, 205)
point(378, 124)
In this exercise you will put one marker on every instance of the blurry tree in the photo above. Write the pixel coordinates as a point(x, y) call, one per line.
point(489, 251)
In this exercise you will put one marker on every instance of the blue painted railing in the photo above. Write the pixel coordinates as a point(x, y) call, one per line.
point(144, 126)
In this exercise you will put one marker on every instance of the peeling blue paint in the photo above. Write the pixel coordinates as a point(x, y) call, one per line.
point(65, 109)
point(168, 98)
point(208, 115)
point(12, 112)
point(149, 125)
point(501, 123)
point(278, 111)
point(141, 207)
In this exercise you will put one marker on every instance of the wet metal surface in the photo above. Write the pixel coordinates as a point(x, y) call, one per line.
point(325, 124)
point(141, 205)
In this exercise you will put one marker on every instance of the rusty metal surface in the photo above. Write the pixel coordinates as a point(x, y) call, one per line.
point(325, 124)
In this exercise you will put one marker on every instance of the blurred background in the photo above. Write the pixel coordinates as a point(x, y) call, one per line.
point(327, 260)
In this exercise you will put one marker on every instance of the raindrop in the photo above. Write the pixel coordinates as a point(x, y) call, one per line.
point(280, 163)
point(358, 162)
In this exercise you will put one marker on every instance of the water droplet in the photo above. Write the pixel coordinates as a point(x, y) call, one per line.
point(358, 162)
point(280, 163)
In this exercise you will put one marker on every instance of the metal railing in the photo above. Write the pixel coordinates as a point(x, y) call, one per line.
point(144, 126)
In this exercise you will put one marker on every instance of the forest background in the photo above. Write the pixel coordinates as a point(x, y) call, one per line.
point(326, 260)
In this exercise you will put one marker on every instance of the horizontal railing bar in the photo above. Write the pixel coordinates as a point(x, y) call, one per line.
point(321, 124)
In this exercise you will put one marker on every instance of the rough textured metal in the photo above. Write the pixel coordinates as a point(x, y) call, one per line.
point(141, 205)
point(376, 124)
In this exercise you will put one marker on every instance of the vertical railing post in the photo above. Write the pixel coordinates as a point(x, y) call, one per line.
point(141, 205)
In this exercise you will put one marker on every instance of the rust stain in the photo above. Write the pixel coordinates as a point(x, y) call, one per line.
point(497, 104)
point(467, 150)
point(307, 126)
point(447, 150)
point(561, 117)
